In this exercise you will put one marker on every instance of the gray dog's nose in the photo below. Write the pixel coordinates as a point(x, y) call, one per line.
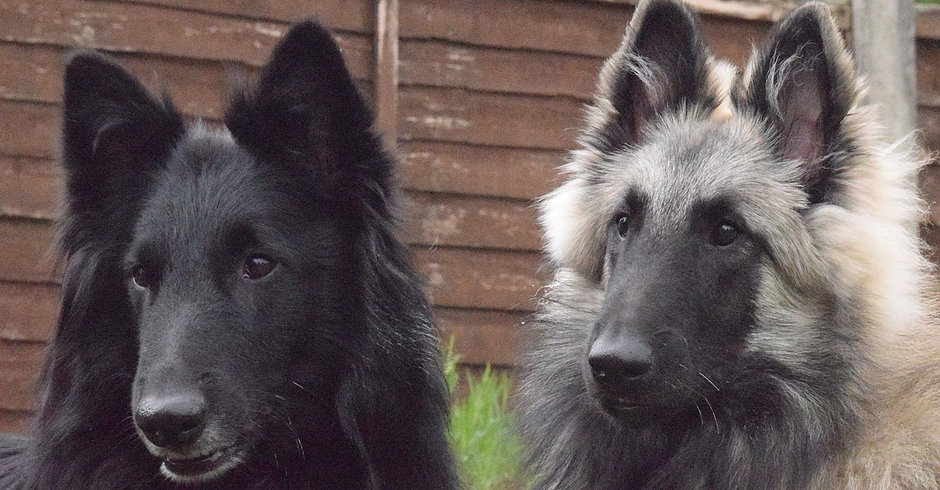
point(615, 361)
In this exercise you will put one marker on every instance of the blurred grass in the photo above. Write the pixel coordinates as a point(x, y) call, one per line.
point(482, 428)
point(932, 2)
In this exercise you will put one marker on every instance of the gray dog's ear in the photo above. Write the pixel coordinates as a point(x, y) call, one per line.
point(802, 81)
point(661, 64)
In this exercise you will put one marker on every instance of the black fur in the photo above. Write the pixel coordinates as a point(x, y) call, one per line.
point(643, 377)
point(257, 277)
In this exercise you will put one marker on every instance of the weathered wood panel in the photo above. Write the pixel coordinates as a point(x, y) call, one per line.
point(479, 170)
point(488, 119)
point(350, 15)
point(928, 72)
point(475, 222)
point(575, 27)
point(928, 120)
point(29, 129)
point(25, 251)
point(20, 364)
point(145, 29)
point(16, 422)
point(492, 279)
point(29, 311)
point(29, 187)
point(482, 336)
point(443, 64)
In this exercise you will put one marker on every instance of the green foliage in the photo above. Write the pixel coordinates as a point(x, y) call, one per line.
point(933, 2)
point(482, 429)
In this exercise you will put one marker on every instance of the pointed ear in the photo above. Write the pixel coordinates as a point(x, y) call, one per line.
point(306, 111)
point(662, 63)
point(114, 134)
point(802, 81)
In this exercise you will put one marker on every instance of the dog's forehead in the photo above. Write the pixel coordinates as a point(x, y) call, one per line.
point(209, 182)
point(683, 163)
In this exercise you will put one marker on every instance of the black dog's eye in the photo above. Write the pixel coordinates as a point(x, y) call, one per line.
point(724, 234)
point(257, 266)
point(142, 276)
point(623, 226)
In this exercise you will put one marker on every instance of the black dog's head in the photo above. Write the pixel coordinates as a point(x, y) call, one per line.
point(236, 243)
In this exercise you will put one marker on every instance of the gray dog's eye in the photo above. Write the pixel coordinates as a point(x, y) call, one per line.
point(257, 266)
point(623, 226)
point(724, 234)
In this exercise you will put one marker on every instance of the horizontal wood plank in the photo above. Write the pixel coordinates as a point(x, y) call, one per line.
point(29, 129)
point(15, 421)
point(442, 64)
point(20, 365)
point(479, 170)
point(488, 119)
point(928, 121)
point(29, 187)
point(481, 336)
point(491, 279)
point(468, 221)
point(26, 251)
point(580, 28)
point(28, 312)
point(145, 29)
point(928, 72)
point(350, 15)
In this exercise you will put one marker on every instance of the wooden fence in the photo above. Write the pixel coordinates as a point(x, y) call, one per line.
point(484, 97)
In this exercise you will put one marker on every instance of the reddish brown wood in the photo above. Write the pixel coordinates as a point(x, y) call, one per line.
point(29, 187)
point(26, 251)
point(28, 311)
point(928, 120)
point(488, 119)
point(29, 129)
point(15, 422)
point(145, 29)
point(442, 64)
point(488, 279)
point(486, 171)
point(351, 15)
point(928, 72)
point(928, 22)
point(467, 221)
point(482, 336)
point(573, 27)
point(929, 183)
point(20, 364)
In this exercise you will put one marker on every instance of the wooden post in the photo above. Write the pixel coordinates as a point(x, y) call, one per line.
point(386, 69)
point(883, 36)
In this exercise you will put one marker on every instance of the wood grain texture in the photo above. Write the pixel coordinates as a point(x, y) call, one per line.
point(471, 222)
point(29, 311)
point(488, 119)
point(20, 364)
point(146, 29)
point(350, 15)
point(479, 170)
point(492, 279)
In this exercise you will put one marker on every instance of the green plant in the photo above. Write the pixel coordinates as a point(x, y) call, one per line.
point(933, 2)
point(482, 429)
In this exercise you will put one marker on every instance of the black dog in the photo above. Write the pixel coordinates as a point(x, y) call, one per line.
point(237, 309)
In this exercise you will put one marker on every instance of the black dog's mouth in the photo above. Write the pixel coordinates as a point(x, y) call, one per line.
point(202, 467)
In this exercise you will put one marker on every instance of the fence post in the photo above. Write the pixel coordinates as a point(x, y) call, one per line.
point(883, 38)
point(386, 69)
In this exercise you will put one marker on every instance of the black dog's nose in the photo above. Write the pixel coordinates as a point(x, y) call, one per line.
point(173, 420)
point(616, 361)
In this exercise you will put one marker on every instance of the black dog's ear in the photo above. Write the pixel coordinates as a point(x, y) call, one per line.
point(306, 111)
point(662, 62)
point(114, 134)
point(802, 81)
